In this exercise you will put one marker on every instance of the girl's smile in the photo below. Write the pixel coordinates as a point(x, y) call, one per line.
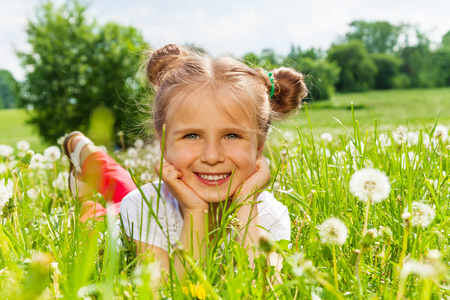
point(214, 152)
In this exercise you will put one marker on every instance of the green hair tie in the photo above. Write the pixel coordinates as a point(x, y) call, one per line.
point(272, 87)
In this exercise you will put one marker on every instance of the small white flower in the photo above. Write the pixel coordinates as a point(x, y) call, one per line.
point(132, 152)
point(370, 184)
point(146, 177)
point(327, 137)
point(421, 269)
point(3, 168)
point(37, 161)
point(23, 146)
point(441, 132)
point(289, 136)
point(354, 151)
point(60, 182)
point(411, 160)
point(333, 232)
point(139, 144)
point(384, 140)
point(413, 138)
point(425, 139)
point(32, 194)
point(422, 214)
point(339, 157)
point(6, 151)
point(6, 192)
point(52, 153)
point(327, 152)
point(130, 163)
point(400, 136)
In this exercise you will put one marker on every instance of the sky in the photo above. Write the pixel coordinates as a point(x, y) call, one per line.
point(231, 27)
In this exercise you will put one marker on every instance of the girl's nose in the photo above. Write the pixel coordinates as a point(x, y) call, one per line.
point(212, 153)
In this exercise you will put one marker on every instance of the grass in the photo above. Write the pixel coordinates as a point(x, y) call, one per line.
point(48, 253)
point(13, 128)
point(391, 108)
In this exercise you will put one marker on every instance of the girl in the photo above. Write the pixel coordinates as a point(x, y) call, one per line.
point(211, 117)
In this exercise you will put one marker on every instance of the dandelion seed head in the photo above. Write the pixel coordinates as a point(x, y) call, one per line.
point(3, 168)
point(370, 184)
point(400, 136)
point(441, 132)
point(132, 152)
point(384, 140)
point(6, 192)
point(23, 145)
point(353, 149)
point(327, 137)
point(139, 144)
point(422, 214)
point(6, 151)
point(414, 267)
point(413, 138)
point(60, 183)
point(52, 153)
point(333, 232)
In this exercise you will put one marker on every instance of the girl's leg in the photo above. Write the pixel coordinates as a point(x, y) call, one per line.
point(102, 173)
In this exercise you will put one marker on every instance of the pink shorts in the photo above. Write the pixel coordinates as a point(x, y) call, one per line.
point(109, 179)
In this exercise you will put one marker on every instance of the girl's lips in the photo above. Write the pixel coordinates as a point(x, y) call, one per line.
point(209, 178)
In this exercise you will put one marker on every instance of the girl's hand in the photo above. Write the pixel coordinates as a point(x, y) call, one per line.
point(257, 181)
point(185, 196)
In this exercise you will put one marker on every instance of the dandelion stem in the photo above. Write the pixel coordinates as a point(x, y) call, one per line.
point(335, 268)
point(357, 274)
point(366, 218)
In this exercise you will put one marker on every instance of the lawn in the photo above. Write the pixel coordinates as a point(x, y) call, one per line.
point(13, 128)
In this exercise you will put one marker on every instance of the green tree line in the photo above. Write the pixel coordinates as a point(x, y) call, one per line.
point(77, 68)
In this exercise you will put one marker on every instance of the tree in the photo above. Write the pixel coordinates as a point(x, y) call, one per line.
point(321, 75)
point(377, 37)
point(388, 70)
point(75, 66)
point(8, 90)
point(357, 69)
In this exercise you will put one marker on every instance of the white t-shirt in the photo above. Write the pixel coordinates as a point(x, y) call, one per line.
point(142, 226)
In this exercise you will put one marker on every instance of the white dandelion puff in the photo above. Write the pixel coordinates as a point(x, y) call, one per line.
point(326, 137)
point(410, 160)
point(23, 146)
point(52, 153)
point(33, 194)
point(139, 144)
point(370, 184)
point(354, 150)
point(132, 152)
point(6, 192)
point(6, 151)
point(3, 168)
point(422, 269)
point(422, 214)
point(441, 132)
point(413, 138)
point(37, 161)
point(60, 182)
point(333, 232)
point(400, 136)
point(384, 140)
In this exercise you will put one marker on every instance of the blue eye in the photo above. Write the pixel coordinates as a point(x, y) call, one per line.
point(191, 136)
point(232, 136)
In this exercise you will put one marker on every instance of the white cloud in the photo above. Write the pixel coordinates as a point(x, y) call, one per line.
point(234, 26)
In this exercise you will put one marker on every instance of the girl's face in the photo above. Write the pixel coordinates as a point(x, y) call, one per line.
point(206, 145)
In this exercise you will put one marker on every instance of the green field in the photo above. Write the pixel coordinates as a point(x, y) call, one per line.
point(417, 108)
point(391, 239)
point(13, 128)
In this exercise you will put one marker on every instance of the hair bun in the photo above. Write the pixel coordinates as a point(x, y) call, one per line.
point(290, 89)
point(163, 60)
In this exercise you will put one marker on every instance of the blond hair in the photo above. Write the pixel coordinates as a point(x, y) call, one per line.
point(174, 70)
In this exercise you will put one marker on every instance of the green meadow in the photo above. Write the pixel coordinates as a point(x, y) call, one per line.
point(388, 188)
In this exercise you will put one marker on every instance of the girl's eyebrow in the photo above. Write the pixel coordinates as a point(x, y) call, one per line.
point(234, 129)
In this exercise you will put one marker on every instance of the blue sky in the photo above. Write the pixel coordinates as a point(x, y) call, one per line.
point(232, 26)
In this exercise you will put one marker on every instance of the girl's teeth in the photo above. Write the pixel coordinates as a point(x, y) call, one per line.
point(212, 177)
